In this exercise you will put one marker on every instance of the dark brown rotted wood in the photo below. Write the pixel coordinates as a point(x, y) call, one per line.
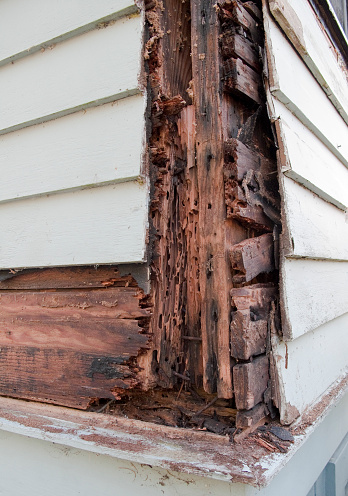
point(236, 45)
point(250, 382)
point(252, 257)
point(253, 10)
point(248, 418)
point(215, 274)
point(239, 78)
point(249, 326)
point(70, 346)
point(241, 16)
point(66, 278)
point(62, 376)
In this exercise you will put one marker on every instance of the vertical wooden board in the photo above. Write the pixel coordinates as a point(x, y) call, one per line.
point(302, 27)
point(308, 366)
point(101, 65)
point(100, 145)
point(25, 25)
point(314, 228)
point(313, 293)
point(94, 226)
point(292, 83)
point(309, 162)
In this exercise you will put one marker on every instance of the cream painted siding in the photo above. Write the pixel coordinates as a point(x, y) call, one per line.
point(307, 100)
point(72, 131)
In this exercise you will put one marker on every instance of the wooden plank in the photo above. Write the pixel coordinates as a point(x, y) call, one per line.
point(298, 21)
point(26, 26)
point(240, 79)
point(99, 225)
point(96, 67)
point(252, 257)
point(292, 83)
point(101, 145)
point(303, 381)
point(215, 278)
point(314, 292)
point(236, 45)
point(249, 418)
point(250, 382)
point(309, 162)
point(249, 326)
point(242, 17)
point(315, 228)
point(98, 276)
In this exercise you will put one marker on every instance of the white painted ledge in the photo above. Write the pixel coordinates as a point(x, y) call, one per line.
point(185, 451)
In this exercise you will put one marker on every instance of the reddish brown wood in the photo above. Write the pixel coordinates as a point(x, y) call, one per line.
point(236, 45)
point(248, 418)
point(250, 381)
point(249, 326)
point(252, 257)
point(240, 16)
point(239, 78)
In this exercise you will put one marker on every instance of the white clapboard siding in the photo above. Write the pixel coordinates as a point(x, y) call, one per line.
point(102, 144)
point(96, 67)
point(309, 162)
point(293, 84)
point(308, 366)
point(93, 226)
point(302, 27)
point(313, 293)
point(315, 228)
point(27, 26)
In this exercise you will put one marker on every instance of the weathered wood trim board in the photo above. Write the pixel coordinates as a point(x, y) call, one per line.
point(312, 158)
point(26, 27)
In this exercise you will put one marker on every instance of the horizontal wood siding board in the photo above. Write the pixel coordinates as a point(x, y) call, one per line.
point(315, 228)
point(300, 24)
point(293, 84)
point(94, 226)
point(309, 162)
point(304, 379)
point(100, 65)
point(26, 27)
point(313, 292)
point(96, 146)
point(65, 377)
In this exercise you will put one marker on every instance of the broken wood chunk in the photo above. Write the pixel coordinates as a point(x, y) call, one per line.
point(170, 106)
point(239, 78)
point(250, 381)
point(235, 11)
point(252, 257)
point(250, 418)
point(253, 10)
point(234, 45)
point(249, 216)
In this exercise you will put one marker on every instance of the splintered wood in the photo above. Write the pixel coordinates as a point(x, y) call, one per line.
point(70, 336)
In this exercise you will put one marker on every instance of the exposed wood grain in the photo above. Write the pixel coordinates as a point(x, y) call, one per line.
point(249, 326)
point(314, 292)
point(99, 66)
point(241, 16)
point(101, 145)
point(26, 27)
point(250, 381)
point(239, 78)
point(252, 257)
point(99, 225)
point(215, 276)
point(236, 45)
point(249, 418)
point(315, 228)
point(309, 162)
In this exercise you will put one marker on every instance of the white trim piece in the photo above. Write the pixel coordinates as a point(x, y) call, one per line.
point(303, 29)
point(292, 83)
point(101, 145)
point(103, 225)
point(308, 366)
point(309, 162)
point(314, 292)
point(91, 69)
point(27, 27)
point(314, 228)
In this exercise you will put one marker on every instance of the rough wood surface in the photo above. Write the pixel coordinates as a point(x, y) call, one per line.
point(249, 326)
point(239, 78)
point(236, 45)
point(250, 382)
point(252, 257)
point(249, 418)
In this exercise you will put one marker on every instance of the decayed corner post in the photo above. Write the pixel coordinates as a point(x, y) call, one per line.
point(215, 272)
